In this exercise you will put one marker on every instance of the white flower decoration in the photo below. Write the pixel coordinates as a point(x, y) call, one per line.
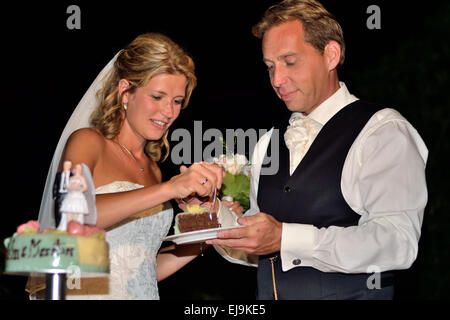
point(234, 163)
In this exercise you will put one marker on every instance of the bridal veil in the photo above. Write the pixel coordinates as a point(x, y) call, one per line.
point(79, 119)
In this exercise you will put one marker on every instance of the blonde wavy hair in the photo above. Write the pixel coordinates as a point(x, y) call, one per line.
point(319, 25)
point(147, 56)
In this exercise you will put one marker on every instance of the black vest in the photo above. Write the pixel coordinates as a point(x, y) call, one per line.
point(312, 195)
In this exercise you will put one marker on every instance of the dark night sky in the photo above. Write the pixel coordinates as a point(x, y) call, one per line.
point(47, 68)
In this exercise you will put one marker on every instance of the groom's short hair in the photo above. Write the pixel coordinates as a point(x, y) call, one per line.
point(319, 25)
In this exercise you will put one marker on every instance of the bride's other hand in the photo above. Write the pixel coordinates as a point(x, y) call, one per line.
point(200, 178)
point(234, 206)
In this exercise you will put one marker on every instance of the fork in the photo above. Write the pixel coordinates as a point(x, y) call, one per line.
point(213, 203)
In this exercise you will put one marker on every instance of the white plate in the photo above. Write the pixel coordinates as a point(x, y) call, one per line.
point(196, 236)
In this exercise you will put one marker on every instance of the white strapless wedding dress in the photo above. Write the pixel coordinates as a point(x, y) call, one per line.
point(134, 244)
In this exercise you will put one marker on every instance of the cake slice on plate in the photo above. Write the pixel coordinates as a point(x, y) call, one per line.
point(196, 218)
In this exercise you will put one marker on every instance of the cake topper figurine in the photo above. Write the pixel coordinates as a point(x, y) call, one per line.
point(74, 205)
point(91, 217)
point(74, 196)
point(60, 189)
point(65, 176)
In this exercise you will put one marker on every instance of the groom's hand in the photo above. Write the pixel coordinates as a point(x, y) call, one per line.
point(261, 235)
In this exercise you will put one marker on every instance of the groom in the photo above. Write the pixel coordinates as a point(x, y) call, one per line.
point(349, 197)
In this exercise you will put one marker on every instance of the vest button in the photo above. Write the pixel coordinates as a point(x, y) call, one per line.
point(287, 189)
point(296, 262)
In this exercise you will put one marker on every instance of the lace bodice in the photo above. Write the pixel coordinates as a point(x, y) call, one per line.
point(134, 244)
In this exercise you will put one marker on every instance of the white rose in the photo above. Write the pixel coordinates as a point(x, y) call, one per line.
point(233, 164)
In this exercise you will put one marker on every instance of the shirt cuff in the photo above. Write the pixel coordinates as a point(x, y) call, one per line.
point(297, 245)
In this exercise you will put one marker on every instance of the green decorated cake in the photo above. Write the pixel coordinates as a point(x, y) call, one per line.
point(55, 251)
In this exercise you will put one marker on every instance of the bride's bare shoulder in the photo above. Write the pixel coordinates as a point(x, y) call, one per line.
point(87, 136)
point(85, 145)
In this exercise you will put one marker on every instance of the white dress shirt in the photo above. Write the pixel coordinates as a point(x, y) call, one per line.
point(383, 180)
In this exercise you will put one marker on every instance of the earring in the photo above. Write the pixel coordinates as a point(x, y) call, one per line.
point(125, 106)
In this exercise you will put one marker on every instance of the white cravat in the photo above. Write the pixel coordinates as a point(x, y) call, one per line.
point(299, 136)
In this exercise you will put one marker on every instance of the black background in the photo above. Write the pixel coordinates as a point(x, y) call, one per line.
point(47, 68)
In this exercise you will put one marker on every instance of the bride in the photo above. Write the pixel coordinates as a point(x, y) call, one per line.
point(142, 91)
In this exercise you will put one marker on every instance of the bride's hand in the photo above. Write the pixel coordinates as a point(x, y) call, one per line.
point(200, 179)
point(234, 206)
